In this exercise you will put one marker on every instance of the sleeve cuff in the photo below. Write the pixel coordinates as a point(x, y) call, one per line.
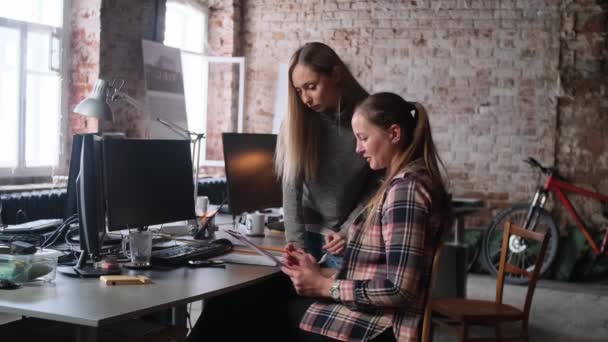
point(347, 290)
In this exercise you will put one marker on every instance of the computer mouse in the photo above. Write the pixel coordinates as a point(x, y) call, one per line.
point(7, 284)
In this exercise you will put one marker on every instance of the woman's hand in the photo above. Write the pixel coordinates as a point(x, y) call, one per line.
point(335, 243)
point(305, 273)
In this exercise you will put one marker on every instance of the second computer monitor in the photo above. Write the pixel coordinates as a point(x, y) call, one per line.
point(147, 182)
point(252, 181)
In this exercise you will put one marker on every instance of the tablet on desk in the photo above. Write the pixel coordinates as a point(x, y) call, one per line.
point(272, 259)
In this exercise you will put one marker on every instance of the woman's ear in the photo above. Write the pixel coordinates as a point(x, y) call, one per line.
point(394, 134)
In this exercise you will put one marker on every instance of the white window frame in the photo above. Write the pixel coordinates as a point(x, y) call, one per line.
point(21, 171)
point(199, 7)
point(240, 61)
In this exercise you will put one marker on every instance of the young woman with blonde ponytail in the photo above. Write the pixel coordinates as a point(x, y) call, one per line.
point(378, 293)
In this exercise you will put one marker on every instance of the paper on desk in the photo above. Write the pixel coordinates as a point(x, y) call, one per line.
point(264, 258)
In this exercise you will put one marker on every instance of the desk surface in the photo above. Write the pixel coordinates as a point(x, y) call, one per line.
point(88, 302)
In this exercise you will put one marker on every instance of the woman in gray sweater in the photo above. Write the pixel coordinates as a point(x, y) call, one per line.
point(325, 183)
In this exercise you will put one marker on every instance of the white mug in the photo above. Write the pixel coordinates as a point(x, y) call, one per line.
point(202, 202)
point(255, 224)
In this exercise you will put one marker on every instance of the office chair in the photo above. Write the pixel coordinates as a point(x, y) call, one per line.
point(458, 314)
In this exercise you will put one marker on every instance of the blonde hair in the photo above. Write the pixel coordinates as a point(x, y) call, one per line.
point(297, 155)
point(387, 109)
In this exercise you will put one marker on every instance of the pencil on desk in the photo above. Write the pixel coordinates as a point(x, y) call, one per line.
point(250, 251)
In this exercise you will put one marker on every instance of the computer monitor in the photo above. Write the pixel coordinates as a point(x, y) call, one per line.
point(71, 206)
point(88, 188)
point(252, 181)
point(147, 182)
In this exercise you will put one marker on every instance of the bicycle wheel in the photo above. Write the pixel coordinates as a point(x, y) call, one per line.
point(522, 253)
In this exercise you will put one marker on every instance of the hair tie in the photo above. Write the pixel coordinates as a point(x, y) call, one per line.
point(413, 112)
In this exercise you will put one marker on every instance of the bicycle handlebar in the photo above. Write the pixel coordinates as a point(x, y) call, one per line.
point(534, 163)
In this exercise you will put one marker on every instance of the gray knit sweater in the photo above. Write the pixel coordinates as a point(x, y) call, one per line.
point(340, 189)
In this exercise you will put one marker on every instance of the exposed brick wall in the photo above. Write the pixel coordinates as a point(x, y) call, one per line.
point(84, 67)
point(222, 107)
point(487, 71)
point(582, 145)
point(224, 27)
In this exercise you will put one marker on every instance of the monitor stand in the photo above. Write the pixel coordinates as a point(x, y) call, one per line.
point(89, 271)
point(86, 270)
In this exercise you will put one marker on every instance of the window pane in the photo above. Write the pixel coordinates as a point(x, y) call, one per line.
point(47, 12)
point(184, 27)
point(42, 120)
point(9, 98)
point(38, 51)
point(195, 80)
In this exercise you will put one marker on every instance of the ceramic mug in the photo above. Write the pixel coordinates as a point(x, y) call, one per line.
point(255, 224)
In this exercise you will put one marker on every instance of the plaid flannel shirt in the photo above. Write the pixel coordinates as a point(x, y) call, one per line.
point(386, 270)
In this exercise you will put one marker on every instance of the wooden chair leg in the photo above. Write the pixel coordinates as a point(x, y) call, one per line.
point(464, 331)
point(524, 330)
point(498, 331)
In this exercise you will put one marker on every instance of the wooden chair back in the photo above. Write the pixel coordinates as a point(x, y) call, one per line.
point(427, 321)
point(504, 266)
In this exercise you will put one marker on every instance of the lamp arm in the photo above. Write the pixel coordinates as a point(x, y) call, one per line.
point(191, 135)
point(174, 128)
point(120, 95)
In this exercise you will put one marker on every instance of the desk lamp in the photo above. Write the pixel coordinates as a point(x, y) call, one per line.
point(96, 105)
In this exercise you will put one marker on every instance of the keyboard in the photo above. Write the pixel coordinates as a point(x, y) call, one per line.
point(179, 255)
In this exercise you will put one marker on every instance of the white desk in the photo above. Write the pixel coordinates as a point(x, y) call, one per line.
point(90, 305)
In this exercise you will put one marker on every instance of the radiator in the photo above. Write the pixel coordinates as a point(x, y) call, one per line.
point(19, 207)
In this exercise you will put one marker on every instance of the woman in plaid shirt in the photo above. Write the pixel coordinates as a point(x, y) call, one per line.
point(379, 293)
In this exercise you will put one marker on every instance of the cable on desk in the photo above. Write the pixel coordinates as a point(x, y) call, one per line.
point(57, 232)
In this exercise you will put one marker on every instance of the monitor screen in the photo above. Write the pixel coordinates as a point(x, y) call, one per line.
point(252, 181)
point(147, 182)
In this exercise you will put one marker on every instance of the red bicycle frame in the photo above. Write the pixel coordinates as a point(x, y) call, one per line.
point(556, 185)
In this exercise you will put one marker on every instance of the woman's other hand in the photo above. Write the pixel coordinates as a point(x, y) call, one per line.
point(287, 259)
point(335, 243)
point(305, 273)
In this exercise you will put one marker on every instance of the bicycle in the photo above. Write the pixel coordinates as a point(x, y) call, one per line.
point(534, 217)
